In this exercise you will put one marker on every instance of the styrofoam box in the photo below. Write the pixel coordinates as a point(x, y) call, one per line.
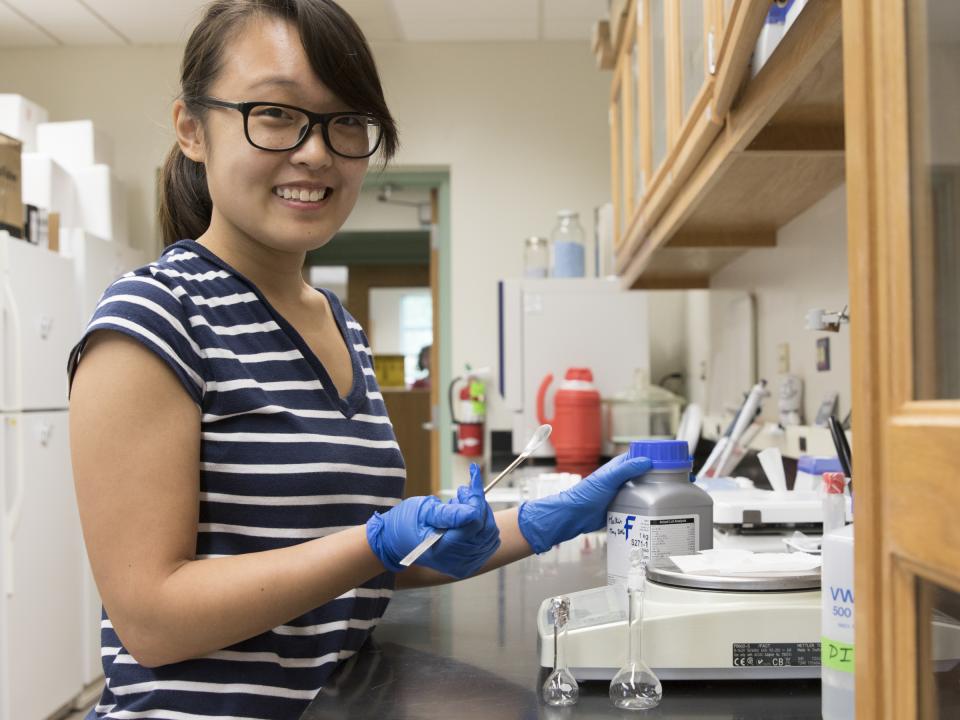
point(47, 185)
point(19, 118)
point(76, 144)
point(100, 203)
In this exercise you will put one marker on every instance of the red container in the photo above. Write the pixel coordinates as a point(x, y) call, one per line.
point(576, 425)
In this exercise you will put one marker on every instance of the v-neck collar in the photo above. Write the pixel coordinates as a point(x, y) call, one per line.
point(349, 405)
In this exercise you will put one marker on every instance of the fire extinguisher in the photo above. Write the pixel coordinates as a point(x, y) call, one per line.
point(472, 405)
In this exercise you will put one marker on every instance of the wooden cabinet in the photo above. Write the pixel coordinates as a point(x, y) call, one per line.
point(719, 160)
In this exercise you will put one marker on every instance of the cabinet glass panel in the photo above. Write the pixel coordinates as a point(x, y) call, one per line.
point(638, 176)
point(938, 651)
point(694, 72)
point(658, 84)
point(620, 190)
point(933, 57)
point(626, 202)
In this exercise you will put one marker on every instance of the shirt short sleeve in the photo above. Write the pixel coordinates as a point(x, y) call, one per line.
point(149, 311)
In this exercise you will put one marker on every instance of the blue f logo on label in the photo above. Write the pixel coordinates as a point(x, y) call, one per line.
point(628, 524)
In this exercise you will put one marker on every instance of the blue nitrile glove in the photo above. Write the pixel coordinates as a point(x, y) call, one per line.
point(476, 542)
point(551, 520)
point(471, 537)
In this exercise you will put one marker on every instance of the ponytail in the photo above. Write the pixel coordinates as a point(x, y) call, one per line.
point(185, 206)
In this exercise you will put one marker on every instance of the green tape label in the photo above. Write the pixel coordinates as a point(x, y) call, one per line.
point(836, 655)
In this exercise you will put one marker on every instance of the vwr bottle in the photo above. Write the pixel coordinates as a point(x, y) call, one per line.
point(836, 644)
point(658, 514)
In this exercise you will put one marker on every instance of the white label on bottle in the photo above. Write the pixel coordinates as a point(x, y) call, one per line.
point(635, 540)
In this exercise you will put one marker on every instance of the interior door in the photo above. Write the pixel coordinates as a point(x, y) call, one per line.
point(902, 101)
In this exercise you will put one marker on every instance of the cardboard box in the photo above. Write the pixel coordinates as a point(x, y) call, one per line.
point(390, 371)
point(48, 185)
point(11, 204)
point(76, 145)
point(53, 231)
point(101, 203)
point(19, 118)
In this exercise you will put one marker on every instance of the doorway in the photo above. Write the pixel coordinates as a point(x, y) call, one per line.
point(387, 252)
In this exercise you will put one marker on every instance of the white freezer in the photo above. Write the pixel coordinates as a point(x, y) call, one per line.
point(549, 326)
point(40, 615)
point(39, 324)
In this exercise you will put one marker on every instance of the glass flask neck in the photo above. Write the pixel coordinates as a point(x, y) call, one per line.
point(635, 625)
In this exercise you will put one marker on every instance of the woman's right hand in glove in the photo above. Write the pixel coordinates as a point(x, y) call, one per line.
point(471, 539)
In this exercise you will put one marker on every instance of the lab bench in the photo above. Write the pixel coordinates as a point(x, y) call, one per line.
point(469, 651)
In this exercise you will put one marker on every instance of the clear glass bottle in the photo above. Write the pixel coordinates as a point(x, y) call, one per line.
point(560, 688)
point(536, 257)
point(568, 246)
point(635, 686)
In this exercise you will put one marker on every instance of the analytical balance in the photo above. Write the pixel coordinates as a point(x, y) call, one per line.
point(696, 627)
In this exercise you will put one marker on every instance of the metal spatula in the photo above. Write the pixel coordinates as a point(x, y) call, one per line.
point(541, 434)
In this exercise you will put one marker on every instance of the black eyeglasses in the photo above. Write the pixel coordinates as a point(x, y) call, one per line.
point(277, 127)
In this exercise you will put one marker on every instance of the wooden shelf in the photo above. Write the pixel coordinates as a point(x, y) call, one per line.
point(780, 150)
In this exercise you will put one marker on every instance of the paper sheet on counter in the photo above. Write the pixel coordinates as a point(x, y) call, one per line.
point(744, 562)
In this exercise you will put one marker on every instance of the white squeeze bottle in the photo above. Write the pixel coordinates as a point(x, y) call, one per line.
point(836, 614)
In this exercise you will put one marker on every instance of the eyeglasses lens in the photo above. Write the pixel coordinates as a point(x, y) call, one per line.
point(280, 128)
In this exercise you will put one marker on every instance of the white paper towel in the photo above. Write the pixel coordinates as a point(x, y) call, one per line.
point(744, 562)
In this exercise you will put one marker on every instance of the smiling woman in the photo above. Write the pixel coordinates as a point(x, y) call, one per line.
point(238, 477)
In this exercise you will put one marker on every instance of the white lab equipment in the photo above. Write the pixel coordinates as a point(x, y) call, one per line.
point(760, 520)
point(40, 536)
point(698, 626)
point(547, 326)
point(45, 300)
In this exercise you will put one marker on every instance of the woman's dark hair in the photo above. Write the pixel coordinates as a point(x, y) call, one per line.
point(337, 52)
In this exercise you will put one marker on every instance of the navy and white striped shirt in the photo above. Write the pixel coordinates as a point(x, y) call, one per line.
point(283, 459)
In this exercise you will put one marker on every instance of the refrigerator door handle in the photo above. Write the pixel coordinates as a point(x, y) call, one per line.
point(13, 450)
point(12, 381)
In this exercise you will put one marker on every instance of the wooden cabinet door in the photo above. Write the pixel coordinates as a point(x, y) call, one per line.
point(902, 104)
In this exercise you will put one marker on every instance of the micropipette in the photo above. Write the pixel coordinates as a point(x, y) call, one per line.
point(746, 416)
point(541, 434)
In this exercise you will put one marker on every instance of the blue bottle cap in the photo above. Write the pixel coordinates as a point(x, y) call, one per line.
point(664, 454)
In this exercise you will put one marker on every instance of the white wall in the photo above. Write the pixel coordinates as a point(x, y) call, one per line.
point(807, 269)
point(370, 214)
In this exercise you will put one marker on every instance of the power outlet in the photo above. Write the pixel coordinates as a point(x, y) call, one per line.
point(783, 358)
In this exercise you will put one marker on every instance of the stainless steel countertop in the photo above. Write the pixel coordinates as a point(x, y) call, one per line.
point(469, 651)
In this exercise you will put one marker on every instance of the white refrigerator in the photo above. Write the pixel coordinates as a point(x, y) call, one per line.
point(40, 538)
